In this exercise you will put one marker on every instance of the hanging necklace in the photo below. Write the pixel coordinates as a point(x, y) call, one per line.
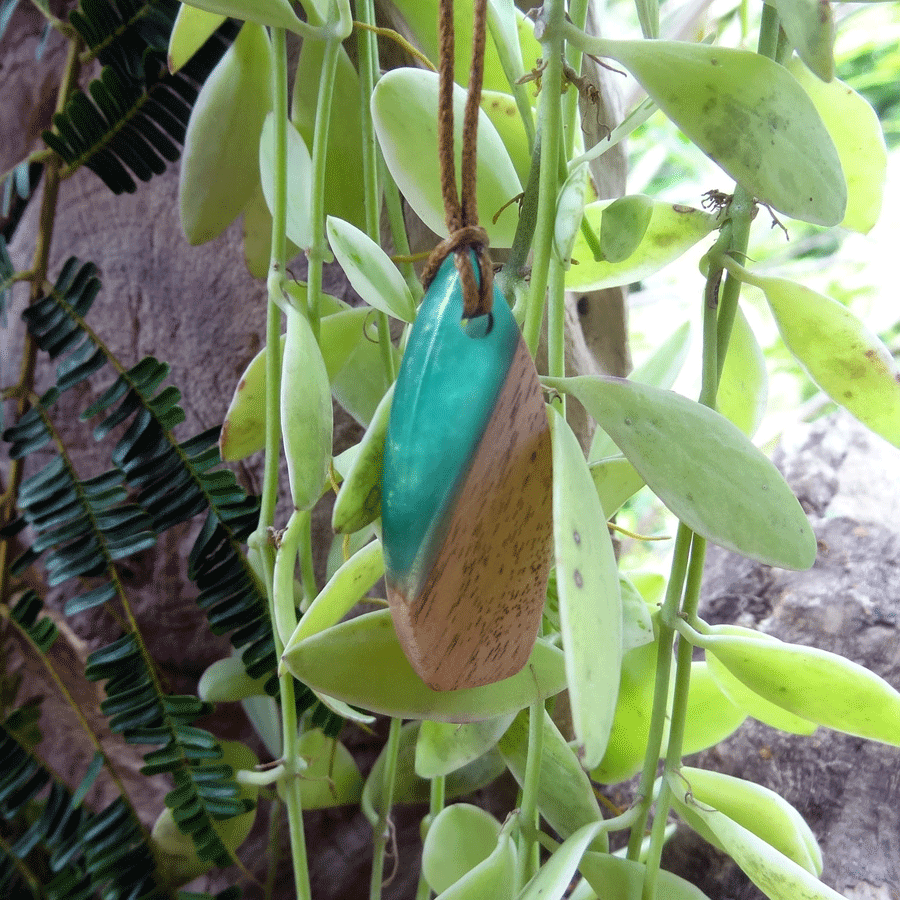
point(466, 484)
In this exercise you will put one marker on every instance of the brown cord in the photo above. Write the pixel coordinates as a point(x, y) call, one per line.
point(462, 216)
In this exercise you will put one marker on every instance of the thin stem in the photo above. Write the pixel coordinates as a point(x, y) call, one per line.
point(556, 325)
point(283, 575)
point(383, 827)
point(528, 808)
point(316, 252)
point(551, 21)
point(671, 603)
point(39, 269)
point(438, 790)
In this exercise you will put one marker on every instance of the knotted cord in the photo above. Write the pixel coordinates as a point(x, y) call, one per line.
point(461, 209)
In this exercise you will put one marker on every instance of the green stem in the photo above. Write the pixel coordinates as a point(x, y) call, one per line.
point(318, 248)
point(719, 311)
point(438, 796)
point(513, 70)
point(556, 325)
point(528, 808)
point(260, 538)
point(367, 48)
point(383, 827)
point(551, 21)
point(283, 575)
point(658, 714)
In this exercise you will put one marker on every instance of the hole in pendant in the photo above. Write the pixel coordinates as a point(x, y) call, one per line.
point(478, 326)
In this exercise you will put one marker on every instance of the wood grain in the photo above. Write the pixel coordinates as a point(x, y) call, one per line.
point(475, 619)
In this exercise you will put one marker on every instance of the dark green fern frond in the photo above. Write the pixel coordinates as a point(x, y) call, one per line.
point(135, 118)
point(143, 715)
point(27, 615)
point(86, 525)
point(76, 853)
point(174, 480)
point(118, 32)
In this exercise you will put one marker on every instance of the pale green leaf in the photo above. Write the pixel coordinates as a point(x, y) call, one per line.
point(767, 814)
point(492, 879)
point(358, 502)
point(817, 685)
point(702, 467)
point(331, 777)
point(555, 875)
point(637, 622)
point(460, 837)
point(276, 13)
point(749, 115)
point(711, 716)
point(565, 796)
point(444, 747)
point(623, 226)
point(219, 167)
point(569, 214)
point(672, 230)
point(856, 131)
point(616, 480)
point(306, 413)
point(778, 877)
point(299, 180)
point(344, 183)
point(349, 584)
point(752, 703)
point(613, 878)
point(404, 109)
point(361, 662)
point(590, 605)
point(840, 353)
point(410, 788)
point(809, 26)
point(744, 385)
point(370, 271)
point(191, 30)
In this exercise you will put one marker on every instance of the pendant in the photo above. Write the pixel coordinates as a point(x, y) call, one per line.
point(466, 493)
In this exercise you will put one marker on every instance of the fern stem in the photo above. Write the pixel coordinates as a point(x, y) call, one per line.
point(66, 694)
point(39, 269)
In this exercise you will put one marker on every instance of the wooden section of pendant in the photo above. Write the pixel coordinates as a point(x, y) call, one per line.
point(477, 615)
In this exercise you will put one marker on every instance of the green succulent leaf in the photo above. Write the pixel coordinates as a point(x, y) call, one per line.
point(361, 662)
point(220, 171)
point(744, 385)
point(749, 115)
point(299, 180)
point(565, 796)
point(758, 809)
point(839, 352)
point(857, 133)
point(192, 28)
point(814, 684)
point(623, 226)
point(809, 26)
point(411, 95)
point(614, 878)
point(306, 414)
point(460, 837)
point(778, 876)
point(275, 13)
point(671, 231)
point(590, 604)
point(370, 271)
point(444, 747)
point(702, 467)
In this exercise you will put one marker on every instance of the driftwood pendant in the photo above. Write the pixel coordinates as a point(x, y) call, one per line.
point(466, 494)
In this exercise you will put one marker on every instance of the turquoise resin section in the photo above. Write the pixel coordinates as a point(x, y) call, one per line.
point(445, 394)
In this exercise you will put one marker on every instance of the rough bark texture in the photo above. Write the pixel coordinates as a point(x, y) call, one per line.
point(846, 788)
